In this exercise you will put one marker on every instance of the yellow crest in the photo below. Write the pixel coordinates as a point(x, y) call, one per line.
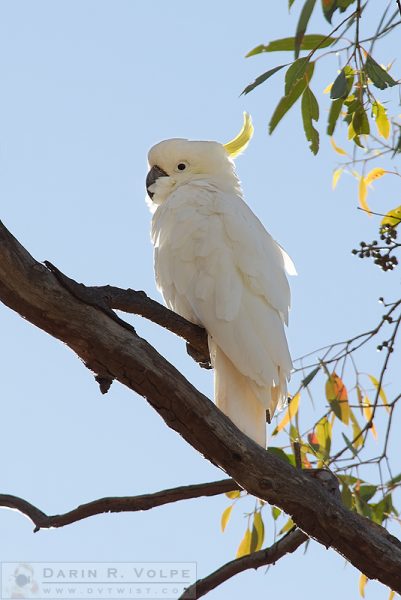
point(240, 142)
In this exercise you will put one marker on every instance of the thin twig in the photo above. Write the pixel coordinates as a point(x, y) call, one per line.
point(116, 504)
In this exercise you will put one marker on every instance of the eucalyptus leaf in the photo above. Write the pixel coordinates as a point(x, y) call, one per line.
point(261, 79)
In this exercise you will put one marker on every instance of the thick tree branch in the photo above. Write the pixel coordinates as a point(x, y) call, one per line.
point(112, 350)
point(287, 544)
point(116, 504)
point(107, 297)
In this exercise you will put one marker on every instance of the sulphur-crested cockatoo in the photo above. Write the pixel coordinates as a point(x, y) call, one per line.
point(217, 266)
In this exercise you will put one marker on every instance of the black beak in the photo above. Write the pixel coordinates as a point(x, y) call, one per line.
point(154, 174)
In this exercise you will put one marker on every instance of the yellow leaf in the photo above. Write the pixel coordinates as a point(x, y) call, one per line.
point(233, 495)
point(258, 532)
point(336, 176)
point(327, 89)
point(392, 218)
point(351, 131)
point(337, 148)
point(382, 393)
point(362, 194)
point(391, 596)
point(374, 174)
point(289, 525)
point(290, 413)
point(362, 583)
point(356, 431)
point(323, 434)
point(367, 408)
point(360, 398)
point(226, 516)
point(245, 545)
point(382, 121)
point(368, 413)
point(337, 396)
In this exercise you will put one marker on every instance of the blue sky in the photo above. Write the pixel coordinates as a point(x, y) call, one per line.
point(87, 87)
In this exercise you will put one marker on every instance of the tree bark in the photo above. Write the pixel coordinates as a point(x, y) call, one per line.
point(114, 351)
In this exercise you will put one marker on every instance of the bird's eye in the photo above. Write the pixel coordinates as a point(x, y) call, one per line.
point(181, 166)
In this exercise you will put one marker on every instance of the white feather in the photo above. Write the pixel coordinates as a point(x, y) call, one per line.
point(217, 266)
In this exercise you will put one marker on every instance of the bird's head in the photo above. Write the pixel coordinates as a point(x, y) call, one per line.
point(176, 162)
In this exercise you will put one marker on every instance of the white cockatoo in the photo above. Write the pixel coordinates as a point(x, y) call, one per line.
point(216, 265)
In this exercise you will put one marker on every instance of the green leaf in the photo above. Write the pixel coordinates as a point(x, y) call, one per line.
point(310, 113)
point(276, 512)
point(383, 509)
point(349, 479)
point(328, 7)
point(310, 376)
point(349, 445)
point(394, 481)
point(334, 113)
point(366, 492)
point(287, 102)
point(294, 73)
point(225, 517)
point(257, 50)
point(360, 122)
point(309, 42)
point(339, 89)
point(290, 3)
point(258, 532)
point(279, 453)
point(380, 78)
point(346, 496)
point(304, 17)
point(261, 79)
point(344, 4)
point(362, 507)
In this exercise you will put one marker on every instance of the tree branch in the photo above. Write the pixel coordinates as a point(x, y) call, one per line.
point(116, 504)
point(287, 544)
point(110, 349)
point(107, 297)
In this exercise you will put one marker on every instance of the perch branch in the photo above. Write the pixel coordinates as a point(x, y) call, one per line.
point(112, 350)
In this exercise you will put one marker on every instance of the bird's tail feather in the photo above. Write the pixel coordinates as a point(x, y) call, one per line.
point(237, 398)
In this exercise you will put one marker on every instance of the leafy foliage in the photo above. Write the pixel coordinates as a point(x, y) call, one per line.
point(351, 434)
point(354, 100)
point(340, 439)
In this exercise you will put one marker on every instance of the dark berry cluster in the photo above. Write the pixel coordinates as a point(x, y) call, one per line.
point(385, 344)
point(381, 254)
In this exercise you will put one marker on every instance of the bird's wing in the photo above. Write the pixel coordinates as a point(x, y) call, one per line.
point(217, 265)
